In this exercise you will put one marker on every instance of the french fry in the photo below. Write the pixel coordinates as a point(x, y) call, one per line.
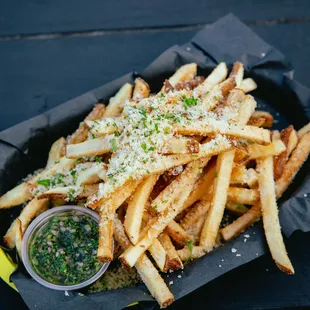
point(181, 145)
point(93, 174)
point(216, 211)
point(63, 164)
point(236, 208)
point(198, 211)
point(241, 156)
point(251, 133)
point(238, 175)
point(302, 131)
point(187, 179)
point(177, 233)
point(97, 146)
point(237, 73)
point(30, 211)
point(187, 254)
point(248, 85)
point(202, 187)
point(107, 125)
point(141, 90)
point(270, 215)
point(71, 192)
point(136, 206)
point(116, 103)
point(195, 231)
point(275, 148)
point(218, 94)
point(298, 157)
point(243, 195)
point(19, 237)
point(241, 223)
point(292, 142)
point(265, 115)
point(252, 178)
point(159, 255)
point(174, 262)
point(280, 160)
point(184, 73)
point(107, 210)
point(146, 270)
point(81, 133)
point(16, 196)
point(217, 76)
point(56, 151)
point(247, 108)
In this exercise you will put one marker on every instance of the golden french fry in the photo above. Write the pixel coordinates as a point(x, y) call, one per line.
point(56, 151)
point(136, 206)
point(97, 146)
point(265, 115)
point(146, 270)
point(141, 90)
point(159, 255)
point(107, 125)
point(81, 133)
point(280, 159)
point(248, 85)
point(187, 254)
point(93, 174)
point(298, 157)
point(198, 211)
point(30, 211)
point(242, 223)
point(270, 215)
point(177, 233)
point(237, 73)
point(71, 192)
point(243, 195)
point(251, 133)
point(181, 145)
point(174, 262)
point(184, 73)
point(236, 208)
point(116, 103)
point(272, 149)
point(16, 196)
point(216, 211)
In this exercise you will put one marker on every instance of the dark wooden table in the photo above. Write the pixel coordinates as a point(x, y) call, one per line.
point(51, 51)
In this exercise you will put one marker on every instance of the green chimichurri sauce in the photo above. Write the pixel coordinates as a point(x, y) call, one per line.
point(63, 251)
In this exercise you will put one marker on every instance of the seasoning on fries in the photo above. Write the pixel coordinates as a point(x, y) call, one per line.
point(162, 169)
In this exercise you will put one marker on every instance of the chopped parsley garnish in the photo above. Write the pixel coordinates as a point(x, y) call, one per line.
point(216, 174)
point(165, 201)
point(113, 145)
point(116, 134)
point(142, 111)
point(71, 193)
point(74, 176)
point(190, 245)
point(156, 128)
point(44, 182)
point(114, 124)
point(162, 95)
point(189, 102)
point(98, 159)
point(78, 161)
point(57, 179)
point(166, 130)
point(144, 147)
point(152, 148)
point(154, 207)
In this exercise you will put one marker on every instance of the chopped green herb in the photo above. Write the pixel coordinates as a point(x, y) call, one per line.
point(189, 102)
point(154, 207)
point(166, 130)
point(165, 201)
point(143, 145)
point(98, 159)
point(78, 161)
point(113, 145)
point(216, 174)
point(152, 148)
point(114, 125)
point(156, 128)
point(142, 111)
point(162, 95)
point(44, 182)
point(71, 193)
point(190, 245)
point(116, 134)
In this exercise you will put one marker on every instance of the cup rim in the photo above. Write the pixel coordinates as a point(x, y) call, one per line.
point(32, 228)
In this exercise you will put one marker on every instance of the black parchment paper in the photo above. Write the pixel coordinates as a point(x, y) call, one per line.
point(24, 147)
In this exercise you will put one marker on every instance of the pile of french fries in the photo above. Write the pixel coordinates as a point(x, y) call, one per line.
point(161, 169)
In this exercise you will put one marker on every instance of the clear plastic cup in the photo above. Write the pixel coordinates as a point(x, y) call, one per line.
point(36, 225)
